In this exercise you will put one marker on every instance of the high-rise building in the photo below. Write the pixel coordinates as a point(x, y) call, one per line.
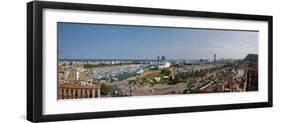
point(158, 59)
point(215, 58)
point(163, 58)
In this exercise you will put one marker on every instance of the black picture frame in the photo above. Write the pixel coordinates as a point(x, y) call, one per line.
point(35, 69)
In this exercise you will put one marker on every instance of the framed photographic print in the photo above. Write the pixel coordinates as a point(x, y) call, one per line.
point(95, 61)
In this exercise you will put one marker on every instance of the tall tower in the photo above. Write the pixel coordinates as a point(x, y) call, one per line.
point(215, 58)
point(158, 59)
point(163, 58)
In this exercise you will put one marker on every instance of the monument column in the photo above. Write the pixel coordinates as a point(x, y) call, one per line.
point(93, 93)
point(79, 93)
point(98, 92)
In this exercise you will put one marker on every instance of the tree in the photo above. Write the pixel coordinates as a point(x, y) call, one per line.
point(165, 72)
point(196, 90)
point(132, 82)
point(175, 80)
point(104, 89)
point(196, 73)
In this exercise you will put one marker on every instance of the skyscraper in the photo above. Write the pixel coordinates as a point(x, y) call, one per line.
point(163, 58)
point(158, 59)
point(215, 58)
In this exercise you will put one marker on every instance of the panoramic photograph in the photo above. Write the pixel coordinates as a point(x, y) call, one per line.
point(109, 61)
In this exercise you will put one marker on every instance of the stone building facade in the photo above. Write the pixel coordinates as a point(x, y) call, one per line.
point(67, 90)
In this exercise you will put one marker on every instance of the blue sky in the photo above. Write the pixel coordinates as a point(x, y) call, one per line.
point(93, 41)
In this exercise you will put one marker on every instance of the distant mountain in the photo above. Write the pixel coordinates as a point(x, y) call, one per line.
point(251, 57)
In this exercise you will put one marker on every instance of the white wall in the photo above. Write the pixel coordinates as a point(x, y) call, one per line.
point(13, 60)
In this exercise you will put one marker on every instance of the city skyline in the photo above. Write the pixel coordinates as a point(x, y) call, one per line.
point(96, 41)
